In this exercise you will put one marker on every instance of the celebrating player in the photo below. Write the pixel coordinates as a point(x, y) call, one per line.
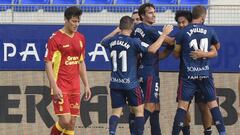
point(149, 69)
point(124, 85)
point(196, 43)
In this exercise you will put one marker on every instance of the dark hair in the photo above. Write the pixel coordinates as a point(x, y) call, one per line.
point(183, 13)
point(126, 22)
point(198, 11)
point(72, 12)
point(135, 12)
point(141, 9)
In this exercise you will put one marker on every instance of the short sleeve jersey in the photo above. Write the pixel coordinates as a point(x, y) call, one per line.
point(65, 53)
point(123, 51)
point(191, 38)
point(149, 35)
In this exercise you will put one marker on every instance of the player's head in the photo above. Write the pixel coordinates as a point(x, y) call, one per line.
point(136, 17)
point(183, 18)
point(147, 13)
point(72, 18)
point(199, 12)
point(126, 23)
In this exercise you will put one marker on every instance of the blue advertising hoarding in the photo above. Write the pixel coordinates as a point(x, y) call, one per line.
point(22, 47)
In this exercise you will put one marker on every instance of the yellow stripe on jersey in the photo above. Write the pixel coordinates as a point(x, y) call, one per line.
point(68, 132)
point(82, 55)
point(56, 63)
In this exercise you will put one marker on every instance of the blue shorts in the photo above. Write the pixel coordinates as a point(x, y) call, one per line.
point(199, 97)
point(120, 97)
point(150, 86)
point(187, 88)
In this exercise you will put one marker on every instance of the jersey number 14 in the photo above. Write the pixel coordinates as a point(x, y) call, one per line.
point(203, 44)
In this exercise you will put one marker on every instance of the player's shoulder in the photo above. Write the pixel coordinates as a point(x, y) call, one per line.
point(55, 35)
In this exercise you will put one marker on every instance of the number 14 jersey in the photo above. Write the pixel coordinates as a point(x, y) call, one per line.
point(191, 38)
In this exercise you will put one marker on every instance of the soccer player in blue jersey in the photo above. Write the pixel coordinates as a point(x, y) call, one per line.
point(183, 18)
point(148, 70)
point(195, 44)
point(124, 85)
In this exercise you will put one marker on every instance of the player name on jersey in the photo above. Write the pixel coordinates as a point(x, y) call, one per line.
point(119, 42)
point(140, 31)
point(196, 30)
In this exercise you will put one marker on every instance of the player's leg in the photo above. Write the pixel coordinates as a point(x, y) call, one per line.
point(118, 100)
point(205, 112)
point(186, 90)
point(207, 88)
point(179, 117)
point(62, 110)
point(152, 106)
point(131, 118)
point(135, 99)
point(186, 123)
point(113, 120)
point(187, 120)
point(154, 121)
point(206, 118)
point(74, 100)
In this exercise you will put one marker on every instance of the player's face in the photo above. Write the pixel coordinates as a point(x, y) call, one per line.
point(149, 16)
point(136, 18)
point(182, 22)
point(72, 24)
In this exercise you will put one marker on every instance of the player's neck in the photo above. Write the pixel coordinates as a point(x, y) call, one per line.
point(126, 32)
point(197, 21)
point(147, 23)
point(67, 32)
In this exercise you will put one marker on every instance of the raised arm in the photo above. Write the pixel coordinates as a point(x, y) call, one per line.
point(113, 33)
point(157, 44)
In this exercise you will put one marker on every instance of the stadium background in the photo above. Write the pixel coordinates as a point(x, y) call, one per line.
point(25, 107)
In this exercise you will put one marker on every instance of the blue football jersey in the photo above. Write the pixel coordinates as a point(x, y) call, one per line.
point(191, 38)
point(148, 34)
point(123, 51)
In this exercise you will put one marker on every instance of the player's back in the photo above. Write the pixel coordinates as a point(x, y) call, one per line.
point(149, 35)
point(123, 51)
point(191, 38)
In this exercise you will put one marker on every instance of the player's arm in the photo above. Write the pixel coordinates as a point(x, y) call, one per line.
point(51, 47)
point(113, 33)
point(84, 78)
point(201, 54)
point(166, 52)
point(158, 43)
point(57, 93)
point(177, 51)
point(169, 40)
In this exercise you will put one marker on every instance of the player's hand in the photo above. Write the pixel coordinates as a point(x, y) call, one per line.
point(87, 94)
point(167, 29)
point(117, 30)
point(57, 94)
point(197, 54)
